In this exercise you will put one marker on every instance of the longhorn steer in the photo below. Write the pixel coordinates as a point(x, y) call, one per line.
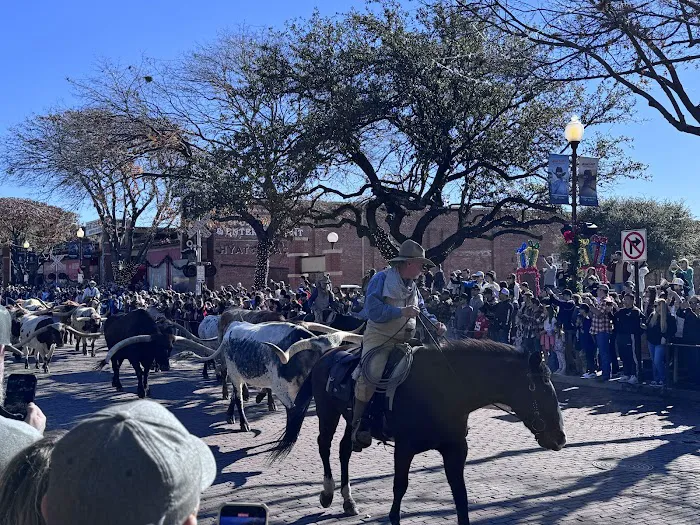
point(222, 322)
point(85, 319)
point(136, 336)
point(251, 360)
point(40, 335)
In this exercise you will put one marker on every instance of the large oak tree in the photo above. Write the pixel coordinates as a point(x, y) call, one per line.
point(649, 47)
point(432, 114)
point(113, 163)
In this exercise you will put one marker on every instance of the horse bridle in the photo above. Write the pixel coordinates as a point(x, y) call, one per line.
point(534, 426)
point(537, 424)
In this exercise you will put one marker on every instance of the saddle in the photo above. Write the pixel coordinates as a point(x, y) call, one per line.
point(341, 385)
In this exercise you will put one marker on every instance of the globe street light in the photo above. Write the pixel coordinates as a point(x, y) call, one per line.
point(26, 245)
point(332, 238)
point(574, 134)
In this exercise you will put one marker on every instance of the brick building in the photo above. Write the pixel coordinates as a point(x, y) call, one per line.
point(232, 250)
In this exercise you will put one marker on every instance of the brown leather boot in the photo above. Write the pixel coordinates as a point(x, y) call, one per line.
point(361, 437)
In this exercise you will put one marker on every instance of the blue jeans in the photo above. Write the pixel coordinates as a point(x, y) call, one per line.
point(619, 287)
point(588, 346)
point(602, 340)
point(658, 362)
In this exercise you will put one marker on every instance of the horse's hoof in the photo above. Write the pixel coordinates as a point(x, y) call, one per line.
point(141, 394)
point(245, 427)
point(26, 366)
point(84, 351)
point(272, 408)
point(230, 420)
point(394, 520)
point(350, 508)
point(326, 499)
point(120, 388)
point(148, 392)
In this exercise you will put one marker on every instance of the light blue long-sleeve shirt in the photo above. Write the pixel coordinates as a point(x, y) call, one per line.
point(377, 310)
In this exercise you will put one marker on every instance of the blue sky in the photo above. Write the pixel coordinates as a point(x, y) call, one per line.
point(43, 42)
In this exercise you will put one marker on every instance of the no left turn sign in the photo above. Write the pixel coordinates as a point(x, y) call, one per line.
point(634, 245)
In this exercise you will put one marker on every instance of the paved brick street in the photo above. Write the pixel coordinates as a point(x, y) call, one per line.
point(630, 460)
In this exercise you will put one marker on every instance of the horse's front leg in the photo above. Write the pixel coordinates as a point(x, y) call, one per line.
point(403, 456)
point(326, 431)
point(349, 505)
point(454, 456)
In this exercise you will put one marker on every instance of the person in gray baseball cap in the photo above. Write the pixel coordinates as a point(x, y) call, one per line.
point(131, 464)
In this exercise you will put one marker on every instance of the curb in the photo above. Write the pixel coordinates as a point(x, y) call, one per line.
point(646, 390)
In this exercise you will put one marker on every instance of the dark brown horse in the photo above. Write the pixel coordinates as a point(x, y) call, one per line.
point(430, 412)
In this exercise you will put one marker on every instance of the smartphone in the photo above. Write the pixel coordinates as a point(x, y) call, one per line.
point(21, 389)
point(243, 514)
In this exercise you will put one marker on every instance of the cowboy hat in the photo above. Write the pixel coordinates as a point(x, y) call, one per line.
point(409, 251)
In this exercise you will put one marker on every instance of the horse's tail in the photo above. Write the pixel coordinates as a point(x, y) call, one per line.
point(295, 419)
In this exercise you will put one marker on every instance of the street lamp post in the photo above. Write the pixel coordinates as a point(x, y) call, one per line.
point(25, 273)
point(574, 134)
point(81, 234)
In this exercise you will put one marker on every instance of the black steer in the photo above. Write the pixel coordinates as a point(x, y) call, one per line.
point(136, 336)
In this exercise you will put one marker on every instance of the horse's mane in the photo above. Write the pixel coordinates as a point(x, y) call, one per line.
point(485, 346)
point(488, 347)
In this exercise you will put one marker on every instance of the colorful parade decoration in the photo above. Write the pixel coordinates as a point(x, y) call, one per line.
point(520, 255)
point(597, 249)
point(527, 255)
point(583, 252)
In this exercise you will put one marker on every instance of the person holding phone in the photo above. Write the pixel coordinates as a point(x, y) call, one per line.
point(15, 434)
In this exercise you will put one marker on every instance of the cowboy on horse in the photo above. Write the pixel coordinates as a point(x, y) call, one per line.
point(392, 304)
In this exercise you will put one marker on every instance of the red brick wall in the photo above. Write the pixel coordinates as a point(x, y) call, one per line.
point(234, 256)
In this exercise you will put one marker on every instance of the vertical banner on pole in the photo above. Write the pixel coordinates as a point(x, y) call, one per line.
point(588, 181)
point(559, 179)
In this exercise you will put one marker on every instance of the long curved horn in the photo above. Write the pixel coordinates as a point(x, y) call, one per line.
point(330, 340)
point(66, 314)
point(187, 332)
point(192, 345)
point(82, 319)
point(15, 351)
point(359, 329)
point(37, 333)
point(83, 334)
point(135, 339)
point(43, 312)
point(317, 327)
point(215, 354)
point(283, 356)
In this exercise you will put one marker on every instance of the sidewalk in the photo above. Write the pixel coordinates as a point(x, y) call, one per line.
point(614, 384)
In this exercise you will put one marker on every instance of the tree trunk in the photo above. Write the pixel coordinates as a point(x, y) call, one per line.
point(262, 266)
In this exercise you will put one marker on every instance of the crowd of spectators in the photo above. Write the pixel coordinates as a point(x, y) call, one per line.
point(587, 333)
